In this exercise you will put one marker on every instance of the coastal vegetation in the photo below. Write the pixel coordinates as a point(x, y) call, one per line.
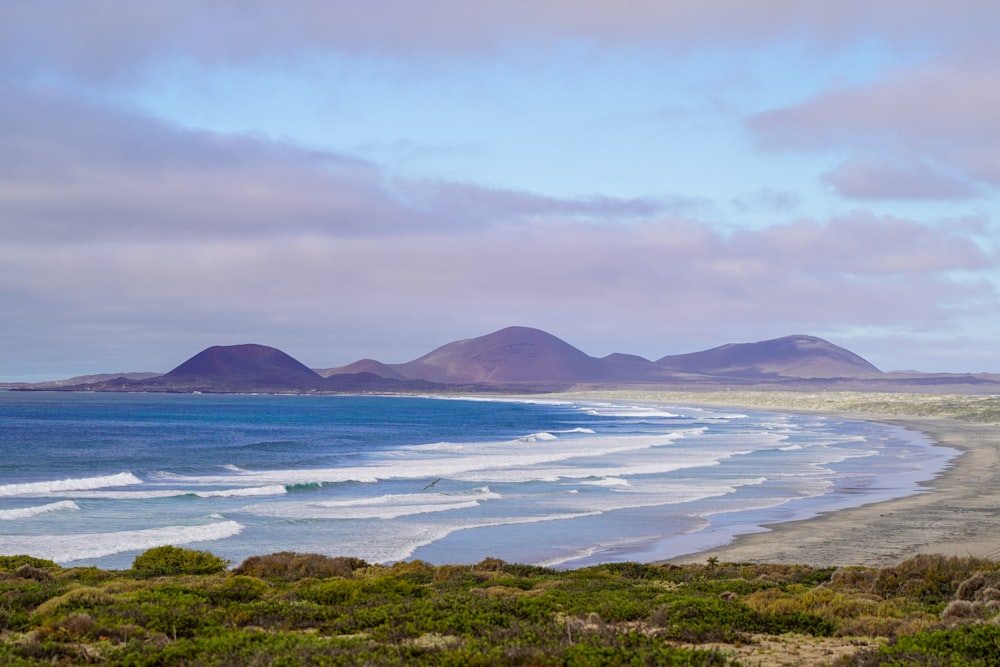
point(182, 607)
point(984, 409)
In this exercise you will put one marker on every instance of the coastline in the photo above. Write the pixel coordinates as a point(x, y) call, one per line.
point(957, 515)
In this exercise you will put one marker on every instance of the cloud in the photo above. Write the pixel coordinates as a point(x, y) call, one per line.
point(879, 178)
point(644, 286)
point(941, 114)
point(130, 239)
point(117, 227)
point(74, 171)
point(770, 200)
point(107, 40)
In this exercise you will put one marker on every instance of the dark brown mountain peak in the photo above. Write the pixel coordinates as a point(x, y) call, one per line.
point(796, 356)
point(513, 354)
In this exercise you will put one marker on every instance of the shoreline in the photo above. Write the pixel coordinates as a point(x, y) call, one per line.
point(957, 515)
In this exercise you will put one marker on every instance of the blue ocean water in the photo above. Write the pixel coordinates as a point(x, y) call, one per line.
point(95, 479)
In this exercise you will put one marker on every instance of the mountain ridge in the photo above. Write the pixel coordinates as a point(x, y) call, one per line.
point(797, 355)
point(522, 359)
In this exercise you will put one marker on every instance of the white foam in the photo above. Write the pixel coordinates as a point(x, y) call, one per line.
point(637, 411)
point(66, 548)
point(73, 484)
point(389, 506)
point(148, 494)
point(535, 437)
point(433, 533)
point(271, 490)
point(317, 511)
point(145, 494)
point(480, 460)
point(28, 512)
point(607, 481)
point(590, 550)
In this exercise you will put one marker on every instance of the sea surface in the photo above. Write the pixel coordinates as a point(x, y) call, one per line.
point(97, 478)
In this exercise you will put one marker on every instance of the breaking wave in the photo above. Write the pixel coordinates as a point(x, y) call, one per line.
point(73, 547)
point(28, 512)
point(73, 484)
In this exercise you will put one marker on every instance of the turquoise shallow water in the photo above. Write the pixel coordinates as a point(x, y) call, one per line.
point(97, 478)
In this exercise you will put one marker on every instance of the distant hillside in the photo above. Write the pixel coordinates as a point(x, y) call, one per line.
point(527, 359)
point(253, 368)
point(363, 366)
point(530, 356)
point(370, 382)
point(514, 354)
point(241, 367)
point(94, 379)
point(791, 357)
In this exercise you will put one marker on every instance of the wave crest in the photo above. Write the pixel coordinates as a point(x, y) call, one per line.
point(28, 512)
point(72, 484)
point(72, 547)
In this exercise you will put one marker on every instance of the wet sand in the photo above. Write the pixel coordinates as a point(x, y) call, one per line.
point(958, 514)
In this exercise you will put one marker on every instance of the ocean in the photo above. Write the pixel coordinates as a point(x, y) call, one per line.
point(97, 478)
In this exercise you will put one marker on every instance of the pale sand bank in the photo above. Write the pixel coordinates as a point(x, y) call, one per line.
point(958, 515)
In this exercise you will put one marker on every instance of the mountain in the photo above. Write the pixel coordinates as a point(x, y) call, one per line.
point(631, 368)
point(92, 379)
point(788, 357)
point(366, 382)
point(511, 355)
point(241, 367)
point(363, 366)
point(526, 359)
point(254, 368)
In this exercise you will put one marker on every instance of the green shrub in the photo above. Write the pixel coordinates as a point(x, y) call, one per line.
point(416, 571)
point(699, 619)
point(967, 646)
point(291, 566)
point(632, 570)
point(334, 592)
point(170, 560)
point(931, 579)
point(12, 563)
point(239, 588)
point(84, 597)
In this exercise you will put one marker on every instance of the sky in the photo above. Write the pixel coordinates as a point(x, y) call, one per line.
point(344, 180)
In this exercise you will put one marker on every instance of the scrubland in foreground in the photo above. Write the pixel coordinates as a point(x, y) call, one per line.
point(183, 607)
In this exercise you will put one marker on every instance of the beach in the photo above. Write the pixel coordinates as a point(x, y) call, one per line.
point(957, 515)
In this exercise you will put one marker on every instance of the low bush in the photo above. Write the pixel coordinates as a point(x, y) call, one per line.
point(170, 560)
point(291, 566)
point(966, 646)
point(12, 563)
point(239, 588)
point(931, 579)
point(311, 609)
point(84, 597)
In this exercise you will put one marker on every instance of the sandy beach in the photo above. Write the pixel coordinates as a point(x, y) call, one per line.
point(959, 514)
